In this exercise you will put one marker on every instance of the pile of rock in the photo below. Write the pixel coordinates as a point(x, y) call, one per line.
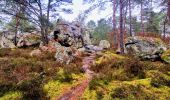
point(72, 39)
point(23, 40)
point(145, 47)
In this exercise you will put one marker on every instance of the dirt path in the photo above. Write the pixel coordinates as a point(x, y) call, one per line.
point(76, 92)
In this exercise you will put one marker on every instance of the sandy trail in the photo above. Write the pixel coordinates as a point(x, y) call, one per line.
point(76, 92)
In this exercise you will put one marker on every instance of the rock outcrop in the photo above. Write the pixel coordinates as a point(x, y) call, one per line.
point(29, 39)
point(104, 44)
point(6, 40)
point(145, 47)
point(67, 35)
point(69, 38)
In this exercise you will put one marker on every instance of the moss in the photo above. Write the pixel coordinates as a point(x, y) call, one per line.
point(159, 79)
point(55, 88)
point(130, 91)
point(145, 82)
point(166, 56)
point(108, 56)
point(12, 96)
point(89, 95)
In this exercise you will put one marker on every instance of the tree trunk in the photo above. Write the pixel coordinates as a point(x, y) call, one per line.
point(142, 26)
point(169, 10)
point(114, 15)
point(43, 25)
point(130, 17)
point(44, 36)
point(47, 23)
point(121, 28)
point(114, 24)
point(164, 30)
point(124, 21)
point(16, 30)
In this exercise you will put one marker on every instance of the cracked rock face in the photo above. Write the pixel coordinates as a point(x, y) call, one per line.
point(69, 38)
point(69, 34)
point(145, 47)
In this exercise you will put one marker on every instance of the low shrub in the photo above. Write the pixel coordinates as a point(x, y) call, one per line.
point(134, 68)
point(130, 92)
point(159, 79)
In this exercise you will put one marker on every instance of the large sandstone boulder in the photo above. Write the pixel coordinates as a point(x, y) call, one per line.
point(64, 54)
point(69, 34)
point(6, 40)
point(145, 47)
point(166, 56)
point(29, 39)
point(69, 37)
point(6, 43)
point(104, 44)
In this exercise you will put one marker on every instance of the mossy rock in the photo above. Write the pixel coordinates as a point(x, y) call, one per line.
point(145, 47)
point(166, 56)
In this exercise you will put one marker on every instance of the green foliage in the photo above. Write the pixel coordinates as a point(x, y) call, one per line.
point(89, 94)
point(55, 88)
point(12, 96)
point(100, 32)
point(24, 25)
point(159, 79)
point(165, 56)
point(153, 23)
point(91, 24)
point(131, 92)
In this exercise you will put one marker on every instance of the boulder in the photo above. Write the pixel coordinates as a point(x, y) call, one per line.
point(71, 34)
point(92, 48)
point(69, 38)
point(104, 44)
point(166, 56)
point(6, 40)
point(6, 43)
point(63, 54)
point(28, 40)
point(145, 47)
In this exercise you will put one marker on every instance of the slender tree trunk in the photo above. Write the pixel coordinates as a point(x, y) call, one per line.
point(130, 17)
point(47, 23)
point(169, 10)
point(16, 31)
point(114, 15)
point(142, 25)
point(43, 26)
point(114, 24)
point(124, 20)
point(121, 28)
point(164, 30)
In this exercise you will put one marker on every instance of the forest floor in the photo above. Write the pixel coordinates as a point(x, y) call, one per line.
point(107, 76)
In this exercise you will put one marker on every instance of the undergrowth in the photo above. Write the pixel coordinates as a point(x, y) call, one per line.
point(24, 77)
